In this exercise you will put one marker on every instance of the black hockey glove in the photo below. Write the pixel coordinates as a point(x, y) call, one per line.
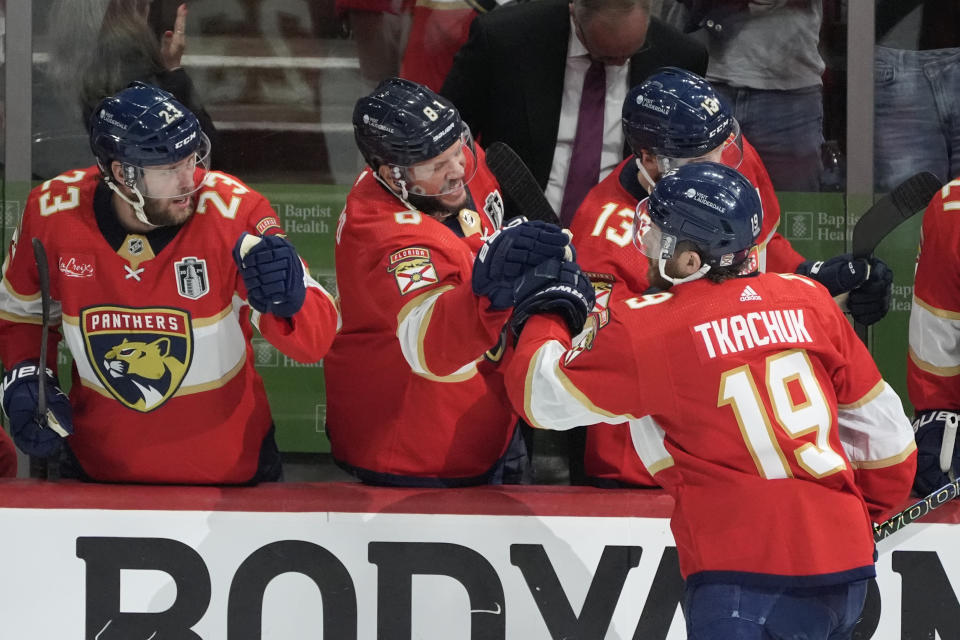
point(509, 252)
point(869, 302)
point(556, 286)
point(928, 427)
point(20, 389)
point(839, 274)
point(272, 273)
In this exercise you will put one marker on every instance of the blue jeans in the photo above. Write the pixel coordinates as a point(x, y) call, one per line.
point(917, 114)
point(786, 127)
point(723, 611)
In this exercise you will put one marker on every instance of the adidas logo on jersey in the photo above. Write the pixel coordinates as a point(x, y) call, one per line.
point(749, 294)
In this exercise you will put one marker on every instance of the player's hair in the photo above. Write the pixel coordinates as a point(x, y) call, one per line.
point(716, 274)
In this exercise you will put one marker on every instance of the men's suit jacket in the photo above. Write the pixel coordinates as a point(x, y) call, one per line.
point(507, 80)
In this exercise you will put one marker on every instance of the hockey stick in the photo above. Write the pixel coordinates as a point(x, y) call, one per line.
point(914, 512)
point(43, 271)
point(521, 193)
point(946, 446)
point(906, 199)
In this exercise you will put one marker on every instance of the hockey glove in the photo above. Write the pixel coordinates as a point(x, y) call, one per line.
point(928, 429)
point(869, 302)
point(838, 274)
point(20, 388)
point(507, 253)
point(272, 273)
point(556, 286)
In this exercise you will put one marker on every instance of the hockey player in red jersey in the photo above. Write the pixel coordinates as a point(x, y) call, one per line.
point(412, 396)
point(933, 365)
point(673, 118)
point(155, 263)
point(750, 399)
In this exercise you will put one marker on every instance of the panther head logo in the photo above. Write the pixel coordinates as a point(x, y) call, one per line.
point(149, 366)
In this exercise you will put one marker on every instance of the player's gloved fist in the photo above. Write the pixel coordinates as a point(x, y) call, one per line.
point(869, 302)
point(928, 429)
point(20, 389)
point(839, 274)
point(555, 286)
point(507, 253)
point(272, 273)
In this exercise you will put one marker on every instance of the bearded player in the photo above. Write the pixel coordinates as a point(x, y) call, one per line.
point(159, 270)
point(412, 399)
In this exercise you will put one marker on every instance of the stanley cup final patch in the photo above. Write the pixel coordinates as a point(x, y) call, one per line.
point(192, 280)
point(413, 269)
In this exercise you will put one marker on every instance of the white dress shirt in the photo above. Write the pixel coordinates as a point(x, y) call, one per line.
point(578, 61)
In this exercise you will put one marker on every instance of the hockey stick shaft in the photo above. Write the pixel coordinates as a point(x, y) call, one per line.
point(916, 511)
point(43, 272)
point(946, 447)
point(521, 193)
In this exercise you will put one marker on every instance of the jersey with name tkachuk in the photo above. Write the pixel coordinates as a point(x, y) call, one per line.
point(603, 236)
point(164, 387)
point(754, 403)
point(409, 391)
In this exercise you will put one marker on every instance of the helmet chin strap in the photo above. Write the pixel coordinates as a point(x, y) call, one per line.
point(402, 196)
point(136, 204)
point(696, 275)
point(643, 171)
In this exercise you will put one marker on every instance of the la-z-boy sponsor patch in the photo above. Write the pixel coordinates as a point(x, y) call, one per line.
point(412, 269)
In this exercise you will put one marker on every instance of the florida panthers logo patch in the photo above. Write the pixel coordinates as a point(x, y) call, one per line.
point(413, 269)
point(141, 355)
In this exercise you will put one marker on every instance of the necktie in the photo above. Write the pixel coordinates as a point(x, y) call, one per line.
point(584, 171)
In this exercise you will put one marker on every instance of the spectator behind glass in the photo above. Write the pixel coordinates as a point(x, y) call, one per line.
point(916, 83)
point(764, 60)
point(439, 29)
point(98, 47)
point(520, 76)
point(380, 29)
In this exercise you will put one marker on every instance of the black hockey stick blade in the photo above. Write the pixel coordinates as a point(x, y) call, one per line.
point(521, 193)
point(909, 197)
point(916, 511)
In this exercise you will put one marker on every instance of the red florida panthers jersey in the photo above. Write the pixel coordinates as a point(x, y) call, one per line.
point(603, 236)
point(409, 391)
point(933, 368)
point(753, 403)
point(164, 388)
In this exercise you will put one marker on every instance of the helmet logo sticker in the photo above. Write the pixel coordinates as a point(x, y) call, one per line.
point(192, 277)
